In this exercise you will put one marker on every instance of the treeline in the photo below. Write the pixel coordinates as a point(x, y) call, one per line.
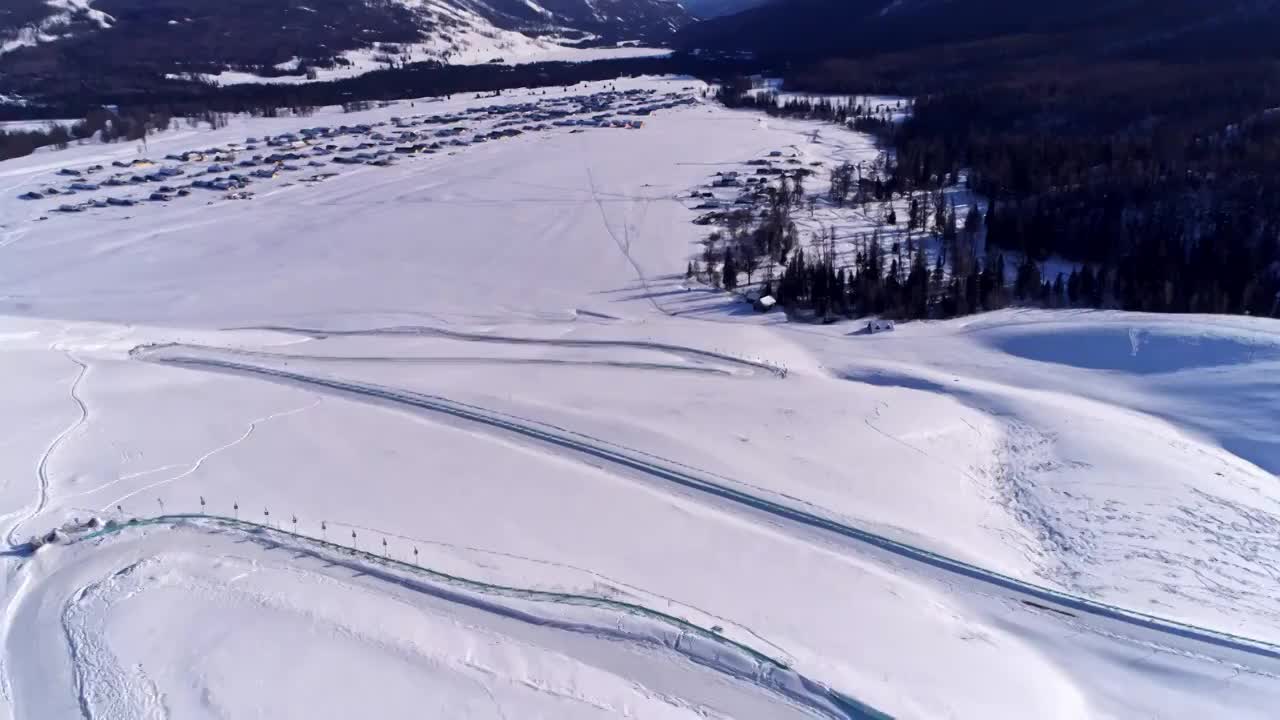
point(852, 110)
point(887, 277)
point(1169, 175)
point(152, 103)
point(189, 96)
point(101, 124)
point(147, 96)
point(898, 281)
point(1164, 177)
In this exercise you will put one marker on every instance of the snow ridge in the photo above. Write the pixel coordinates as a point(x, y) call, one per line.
point(55, 26)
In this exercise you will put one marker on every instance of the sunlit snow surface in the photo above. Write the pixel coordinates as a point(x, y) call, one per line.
point(490, 354)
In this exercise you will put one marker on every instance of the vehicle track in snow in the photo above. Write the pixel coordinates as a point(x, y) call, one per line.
point(1138, 627)
point(472, 360)
point(421, 330)
point(42, 469)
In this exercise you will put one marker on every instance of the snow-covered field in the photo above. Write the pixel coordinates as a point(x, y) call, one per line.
point(25, 125)
point(596, 492)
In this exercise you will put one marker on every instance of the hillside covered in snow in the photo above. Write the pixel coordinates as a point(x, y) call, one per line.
point(411, 411)
point(109, 43)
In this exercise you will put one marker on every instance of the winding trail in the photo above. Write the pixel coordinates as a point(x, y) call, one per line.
point(624, 245)
point(1101, 617)
point(200, 461)
point(471, 360)
point(420, 330)
point(42, 470)
point(594, 618)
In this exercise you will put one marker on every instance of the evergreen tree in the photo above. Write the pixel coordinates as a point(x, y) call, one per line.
point(973, 222)
point(1027, 284)
point(917, 288)
point(730, 280)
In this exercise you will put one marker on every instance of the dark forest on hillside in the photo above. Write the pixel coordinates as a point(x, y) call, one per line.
point(1165, 176)
point(1155, 160)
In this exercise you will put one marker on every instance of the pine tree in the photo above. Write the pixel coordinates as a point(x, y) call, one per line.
point(1027, 284)
point(936, 281)
point(918, 288)
point(750, 263)
point(730, 273)
point(973, 222)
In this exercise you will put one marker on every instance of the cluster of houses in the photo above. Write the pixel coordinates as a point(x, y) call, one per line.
point(232, 167)
point(746, 188)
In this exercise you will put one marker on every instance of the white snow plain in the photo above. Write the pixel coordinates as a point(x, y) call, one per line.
point(486, 362)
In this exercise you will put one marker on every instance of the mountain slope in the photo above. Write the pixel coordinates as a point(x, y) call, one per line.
point(717, 8)
point(88, 39)
point(815, 28)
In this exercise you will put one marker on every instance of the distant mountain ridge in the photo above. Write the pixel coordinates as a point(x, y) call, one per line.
point(717, 8)
point(50, 40)
point(822, 28)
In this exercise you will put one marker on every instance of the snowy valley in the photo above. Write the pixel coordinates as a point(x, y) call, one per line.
point(412, 411)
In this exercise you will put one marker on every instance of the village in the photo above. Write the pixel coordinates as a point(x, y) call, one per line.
point(807, 203)
point(313, 154)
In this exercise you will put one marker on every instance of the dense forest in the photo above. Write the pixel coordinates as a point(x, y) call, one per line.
point(1164, 178)
point(1138, 137)
point(806, 31)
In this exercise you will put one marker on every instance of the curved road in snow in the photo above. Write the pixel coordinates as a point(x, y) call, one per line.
point(1109, 620)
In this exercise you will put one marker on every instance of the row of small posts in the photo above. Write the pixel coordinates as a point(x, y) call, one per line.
point(293, 519)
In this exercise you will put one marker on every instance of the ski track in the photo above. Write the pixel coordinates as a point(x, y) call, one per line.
point(147, 352)
point(419, 330)
point(42, 470)
point(624, 245)
point(200, 461)
point(10, 237)
point(660, 469)
point(471, 360)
